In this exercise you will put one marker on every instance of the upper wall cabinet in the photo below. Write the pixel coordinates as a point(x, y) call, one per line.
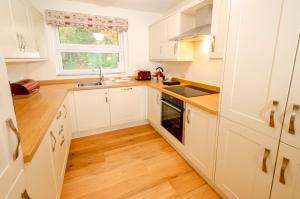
point(161, 49)
point(24, 35)
point(219, 28)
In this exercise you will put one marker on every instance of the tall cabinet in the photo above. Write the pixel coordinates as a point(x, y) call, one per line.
point(12, 182)
point(260, 98)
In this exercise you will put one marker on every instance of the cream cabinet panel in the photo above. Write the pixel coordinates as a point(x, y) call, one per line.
point(287, 174)
point(255, 87)
point(38, 32)
point(8, 41)
point(154, 106)
point(92, 109)
point(127, 104)
point(219, 28)
point(156, 39)
point(245, 162)
point(40, 173)
point(11, 157)
point(289, 36)
point(200, 139)
point(19, 188)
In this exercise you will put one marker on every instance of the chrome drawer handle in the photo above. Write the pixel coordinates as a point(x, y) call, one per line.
point(284, 165)
point(264, 163)
point(293, 118)
point(66, 110)
point(54, 138)
point(272, 114)
point(188, 116)
point(59, 115)
point(63, 141)
point(10, 124)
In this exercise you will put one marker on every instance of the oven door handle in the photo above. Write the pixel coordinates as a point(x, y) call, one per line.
point(172, 106)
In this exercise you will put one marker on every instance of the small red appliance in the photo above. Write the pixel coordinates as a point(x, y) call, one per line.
point(143, 75)
point(24, 87)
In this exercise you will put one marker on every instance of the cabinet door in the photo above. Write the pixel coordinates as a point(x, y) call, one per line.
point(8, 41)
point(255, 87)
point(40, 173)
point(219, 27)
point(92, 109)
point(245, 162)
point(154, 106)
point(200, 139)
point(18, 190)
point(287, 174)
point(156, 39)
point(21, 21)
point(37, 30)
point(289, 37)
point(127, 104)
point(11, 158)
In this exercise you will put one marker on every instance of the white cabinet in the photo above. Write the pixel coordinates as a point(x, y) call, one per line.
point(161, 49)
point(18, 190)
point(127, 104)
point(11, 158)
point(245, 162)
point(287, 174)
point(255, 87)
point(154, 106)
point(40, 173)
point(92, 109)
point(24, 34)
point(219, 27)
point(200, 139)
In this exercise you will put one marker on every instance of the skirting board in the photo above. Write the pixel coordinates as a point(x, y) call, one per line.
point(107, 129)
point(183, 153)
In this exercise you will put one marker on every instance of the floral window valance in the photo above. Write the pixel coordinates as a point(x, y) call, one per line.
point(60, 18)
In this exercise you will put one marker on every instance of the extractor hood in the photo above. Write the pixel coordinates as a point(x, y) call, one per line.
point(195, 34)
point(202, 24)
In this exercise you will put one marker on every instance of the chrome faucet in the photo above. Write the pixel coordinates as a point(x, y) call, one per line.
point(101, 77)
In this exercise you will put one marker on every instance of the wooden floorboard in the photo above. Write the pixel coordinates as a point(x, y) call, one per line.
point(133, 163)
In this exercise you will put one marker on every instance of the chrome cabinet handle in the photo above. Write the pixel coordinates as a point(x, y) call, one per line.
point(157, 99)
point(66, 110)
point(59, 115)
point(284, 165)
point(127, 89)
point(175, 48)
point(264, 163)
point(25, 195)
point(272, 113)
point(188, 116)
point(54, 138)
point(293, 118)
point(213, 43)
point(61, 129)
point(106, 99)
point(24, 43)
point(63, 141)
point(19, 41)
point(11, 125)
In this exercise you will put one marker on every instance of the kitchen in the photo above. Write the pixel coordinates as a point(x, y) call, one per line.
point(149, 99)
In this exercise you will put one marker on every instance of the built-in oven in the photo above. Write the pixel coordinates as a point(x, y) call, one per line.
point(172, 116)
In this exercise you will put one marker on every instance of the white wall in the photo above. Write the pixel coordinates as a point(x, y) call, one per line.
point(202, 69)
point(137, 39)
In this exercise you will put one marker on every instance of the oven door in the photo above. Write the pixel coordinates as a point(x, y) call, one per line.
point(172, 119)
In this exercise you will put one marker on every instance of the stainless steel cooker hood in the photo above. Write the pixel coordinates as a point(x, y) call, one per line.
point(202, 27)
point(195, 34)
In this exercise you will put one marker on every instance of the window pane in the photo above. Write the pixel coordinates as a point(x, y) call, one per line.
point(88, 60)
point(89, 36)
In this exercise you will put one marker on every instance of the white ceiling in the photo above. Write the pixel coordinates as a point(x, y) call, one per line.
point(158, 6)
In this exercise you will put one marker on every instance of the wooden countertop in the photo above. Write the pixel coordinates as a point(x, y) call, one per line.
point(36, 113)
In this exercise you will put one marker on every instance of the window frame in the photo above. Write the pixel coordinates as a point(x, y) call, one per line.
point(121, 49)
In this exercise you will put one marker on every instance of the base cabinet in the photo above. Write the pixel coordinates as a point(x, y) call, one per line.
point(200, 139)
point(245, 162)
point(154, 106)
point(286, 181)
point(40, 173)
point(92, 109)
point(127, 104)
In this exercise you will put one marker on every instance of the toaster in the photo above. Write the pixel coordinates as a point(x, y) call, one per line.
point(143, 75)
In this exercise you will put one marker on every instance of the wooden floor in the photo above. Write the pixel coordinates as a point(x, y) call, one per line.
point(130, 163)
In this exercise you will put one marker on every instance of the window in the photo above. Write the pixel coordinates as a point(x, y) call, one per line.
point(83, 50)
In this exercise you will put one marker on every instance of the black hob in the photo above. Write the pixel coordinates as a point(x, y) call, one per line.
point(189, 91)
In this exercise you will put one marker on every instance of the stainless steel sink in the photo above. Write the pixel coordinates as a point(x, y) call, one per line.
point(91, 84)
